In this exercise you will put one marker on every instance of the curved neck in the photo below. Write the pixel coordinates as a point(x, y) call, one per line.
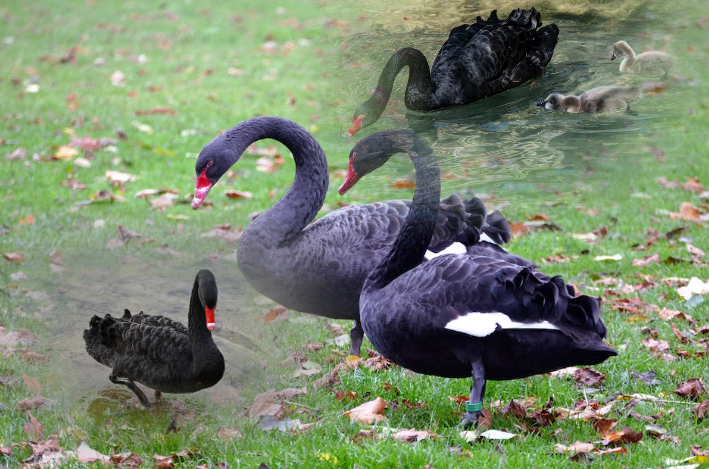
point(415, 234)
point(197, 318)
point(419, 89)
point(306, 195)
point(203, 344)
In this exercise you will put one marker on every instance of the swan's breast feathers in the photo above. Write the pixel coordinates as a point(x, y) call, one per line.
point(481, 324)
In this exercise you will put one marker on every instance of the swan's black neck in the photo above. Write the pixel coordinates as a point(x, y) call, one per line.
point(419, 89)
point(298, 207)
point(415, 235)
point(203, 346)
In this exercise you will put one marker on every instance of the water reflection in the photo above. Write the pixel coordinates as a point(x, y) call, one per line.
point(504, 142)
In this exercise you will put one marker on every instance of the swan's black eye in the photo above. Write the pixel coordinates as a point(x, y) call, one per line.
point(209, 164)
point(354, 155)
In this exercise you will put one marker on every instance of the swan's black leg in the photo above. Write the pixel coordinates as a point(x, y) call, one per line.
point(132, 386)
point(473, 408)
point(356, 338)
point(158, 395)
point(628, 111)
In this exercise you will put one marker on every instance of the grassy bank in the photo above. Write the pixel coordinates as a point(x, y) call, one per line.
point(138, 89)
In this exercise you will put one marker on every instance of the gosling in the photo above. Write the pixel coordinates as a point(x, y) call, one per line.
point(603, 98)
point(650, 63)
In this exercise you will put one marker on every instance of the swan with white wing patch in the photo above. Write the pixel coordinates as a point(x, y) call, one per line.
point(483, 324)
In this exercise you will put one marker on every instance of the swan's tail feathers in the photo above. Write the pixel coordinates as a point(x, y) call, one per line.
point(528, 19)
point(547, 37)
point(456, 224)
point(126, 315)
point(534, 298)
point(497, 228)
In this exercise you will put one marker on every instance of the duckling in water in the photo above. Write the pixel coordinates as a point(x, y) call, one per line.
point(652, 62)
point(603, 98)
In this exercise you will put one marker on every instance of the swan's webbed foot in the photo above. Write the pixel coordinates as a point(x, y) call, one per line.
point(133, 387)
point(356, 338)
point(470, 419)
point(632, 113)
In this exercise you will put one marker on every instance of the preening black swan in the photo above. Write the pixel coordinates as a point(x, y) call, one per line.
point(478, 314)
point(158, 352)
point(478, 60)
point(319, 267)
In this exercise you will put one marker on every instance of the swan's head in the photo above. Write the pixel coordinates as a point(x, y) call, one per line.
point(373, 151)
point(207, 291)
point(365, 115)
point(620, 49)
point(213, 161)
point(554, 101)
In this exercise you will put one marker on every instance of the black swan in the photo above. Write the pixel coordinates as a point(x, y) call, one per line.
point(599, 99)
point(476, 314)
point(158, 352)
point(319, 267)
point(478, 60)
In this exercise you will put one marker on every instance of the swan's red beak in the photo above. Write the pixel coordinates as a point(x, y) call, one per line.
point(351, 179)
point(355, 127)
point(211, 323)
point(202, 189)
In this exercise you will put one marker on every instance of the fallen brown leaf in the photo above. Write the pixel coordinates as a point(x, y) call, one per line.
point(647, 260)
point(692, 388)
point(626, 435)
point(701, 410)
point(33, 429)
point(13, 256)
point(588, 377)
point(277, 312)
point(264, 405)
point(575, 448)
point(34, 402)
point(377, 363)
point(412, 435)
point(369, 412)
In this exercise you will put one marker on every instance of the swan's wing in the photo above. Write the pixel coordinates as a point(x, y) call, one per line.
point(120, 339)
point(491, 56)
point(158, 321)
point(462, 289)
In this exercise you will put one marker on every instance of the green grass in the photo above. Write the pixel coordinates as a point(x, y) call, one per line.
point(189, 52)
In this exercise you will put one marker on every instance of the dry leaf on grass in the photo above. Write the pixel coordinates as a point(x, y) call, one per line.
point(264, 405)
point(369, 412)
point(626, 435)
point(33, 429)
point(34, 402)
point(32, 384)
point(692, 388)
point(701, 410)
point(13, 256)
point(412, 435)
point(588, 377)
point(575, 448)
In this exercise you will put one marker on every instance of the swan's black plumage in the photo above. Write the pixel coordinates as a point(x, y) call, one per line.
point(158, 352)
point(420, 314)
point(319, 267)
point(478, 60)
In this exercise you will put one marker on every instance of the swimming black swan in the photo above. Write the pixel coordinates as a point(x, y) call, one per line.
point(599, 99)
point(478, 60)
point(467, 314)
point(158, 352)
point(319, 267)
